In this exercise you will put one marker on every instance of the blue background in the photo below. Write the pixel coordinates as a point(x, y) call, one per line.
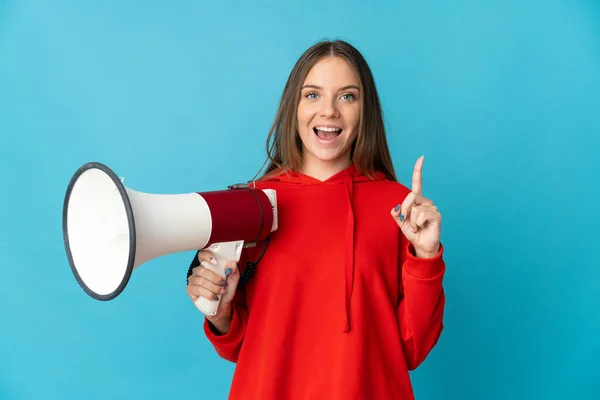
point(502, 97)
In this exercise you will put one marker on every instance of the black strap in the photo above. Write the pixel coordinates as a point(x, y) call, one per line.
point(195, 263)
point(248, 273)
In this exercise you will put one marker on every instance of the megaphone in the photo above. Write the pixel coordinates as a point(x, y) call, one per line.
point(109, 230)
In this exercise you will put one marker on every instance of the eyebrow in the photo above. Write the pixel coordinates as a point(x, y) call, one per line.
point(320, 88)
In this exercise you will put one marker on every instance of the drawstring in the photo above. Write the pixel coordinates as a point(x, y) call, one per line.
point(349, 256)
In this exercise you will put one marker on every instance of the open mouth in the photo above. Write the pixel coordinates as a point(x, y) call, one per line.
point(326, 132)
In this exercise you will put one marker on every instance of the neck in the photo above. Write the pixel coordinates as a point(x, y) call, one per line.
point(323, 170)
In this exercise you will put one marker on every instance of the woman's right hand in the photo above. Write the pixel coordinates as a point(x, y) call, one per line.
point(204, 282)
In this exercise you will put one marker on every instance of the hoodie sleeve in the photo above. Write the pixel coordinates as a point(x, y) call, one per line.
point(421, 308)
point(228, 345)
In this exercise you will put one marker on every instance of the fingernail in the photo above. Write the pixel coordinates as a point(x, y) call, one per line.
point(204, 264)
point(228, 271)
point(397, 208)
point(213, 261)
point(402, 217)
point(223, 291)
point(222, 283)
point(216, 297)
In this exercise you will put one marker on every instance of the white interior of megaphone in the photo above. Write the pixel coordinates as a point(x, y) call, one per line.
point(100, 232)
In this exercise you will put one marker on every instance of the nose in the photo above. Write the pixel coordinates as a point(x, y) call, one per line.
point(329, 110)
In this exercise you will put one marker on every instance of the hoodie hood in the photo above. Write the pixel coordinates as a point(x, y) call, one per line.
point(349, 177)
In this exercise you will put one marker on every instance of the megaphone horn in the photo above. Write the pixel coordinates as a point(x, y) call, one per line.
point(109, 229)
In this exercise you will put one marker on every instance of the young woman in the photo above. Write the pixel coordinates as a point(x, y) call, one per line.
point(348, 296)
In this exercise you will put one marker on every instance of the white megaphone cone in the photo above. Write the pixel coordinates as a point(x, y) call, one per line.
point(109, 230)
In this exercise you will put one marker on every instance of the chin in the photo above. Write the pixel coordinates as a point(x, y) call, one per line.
point(327, 156)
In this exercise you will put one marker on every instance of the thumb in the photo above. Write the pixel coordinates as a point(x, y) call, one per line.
point(397, 215)
point(403, 223)
point(232, 273)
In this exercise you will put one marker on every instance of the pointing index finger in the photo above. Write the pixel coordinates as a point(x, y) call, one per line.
point(417, 180)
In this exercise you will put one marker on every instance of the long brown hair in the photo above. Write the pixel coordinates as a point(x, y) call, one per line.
point(370, 149)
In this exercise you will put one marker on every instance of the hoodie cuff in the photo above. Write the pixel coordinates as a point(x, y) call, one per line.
point(424, 268)
point(231, 338)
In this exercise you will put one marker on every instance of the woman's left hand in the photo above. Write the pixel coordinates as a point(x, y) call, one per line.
point(418, 218)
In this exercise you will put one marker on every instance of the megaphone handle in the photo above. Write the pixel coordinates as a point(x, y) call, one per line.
point(223, 252)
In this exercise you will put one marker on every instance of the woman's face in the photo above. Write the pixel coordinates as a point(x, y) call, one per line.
point(328, 113)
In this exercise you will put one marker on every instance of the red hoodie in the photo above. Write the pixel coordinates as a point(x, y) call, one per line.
point(339, 307)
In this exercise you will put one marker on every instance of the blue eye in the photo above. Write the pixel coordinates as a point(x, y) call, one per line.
point(311, 95)
point(348, 96)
